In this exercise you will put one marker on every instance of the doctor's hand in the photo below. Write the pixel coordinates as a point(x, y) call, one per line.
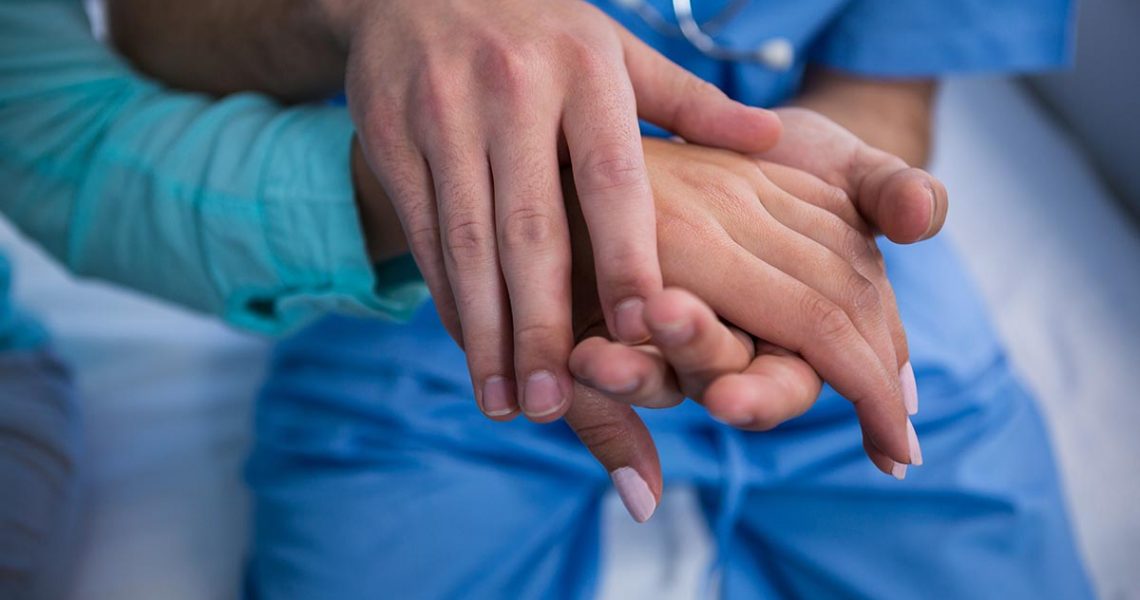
point(755, 242)
point(462, 108)
point(904, 203)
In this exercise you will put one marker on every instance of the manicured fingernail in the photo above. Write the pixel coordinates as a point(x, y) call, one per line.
point(909, 388)
point(898, 471)
point(635, 493)
point(542, 395)
point(498, 400)
point(915, 449)
point(629, 321)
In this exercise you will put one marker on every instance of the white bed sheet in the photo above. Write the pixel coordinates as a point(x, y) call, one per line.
point(167, 394)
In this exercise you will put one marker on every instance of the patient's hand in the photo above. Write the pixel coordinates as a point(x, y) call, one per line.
point(752, 240)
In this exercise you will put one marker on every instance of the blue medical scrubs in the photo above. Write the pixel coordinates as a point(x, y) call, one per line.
point(375, 476)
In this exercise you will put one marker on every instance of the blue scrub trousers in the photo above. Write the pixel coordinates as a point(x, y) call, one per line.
point(375, 476)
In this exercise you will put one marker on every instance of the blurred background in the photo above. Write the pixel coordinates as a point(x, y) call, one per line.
point(1045, 186)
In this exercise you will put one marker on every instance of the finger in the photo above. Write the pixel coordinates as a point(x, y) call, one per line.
point(694, 342)
point(673, 98)
point(831, 275)
point(906, 204)
point(403, 172)
point(635, 375)
point(854, 246)
point(534, 250)
point(467, 226)
point(619, 440)
point(788, 313)
point(777, 386)
point(600, 125)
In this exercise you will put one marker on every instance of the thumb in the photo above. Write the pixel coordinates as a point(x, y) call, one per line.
point(905, 203)
point(676, 100)
point(618, 438)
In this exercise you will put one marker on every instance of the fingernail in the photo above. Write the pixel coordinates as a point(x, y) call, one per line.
point(497, 397)
point(542, 395)
point(673, 334)
point(909, 388)
point(635, 493)
point(915, 449)
point(933, 209)
point(629, 321)
point(739, 421)
point(898, 471)
point(628, 388)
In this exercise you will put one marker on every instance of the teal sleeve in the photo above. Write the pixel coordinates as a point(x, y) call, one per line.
point(237, 207)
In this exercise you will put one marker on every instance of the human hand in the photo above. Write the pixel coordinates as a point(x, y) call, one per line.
point(778, 266)
point(903, 203)
point(462, 108)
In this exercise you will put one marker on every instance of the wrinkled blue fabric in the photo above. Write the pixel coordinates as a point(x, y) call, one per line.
point(375, 476)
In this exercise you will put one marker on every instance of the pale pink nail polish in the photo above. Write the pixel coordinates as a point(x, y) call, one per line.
point(898, 471)
point(909, 388)
point(634, 493)
point(915, 449)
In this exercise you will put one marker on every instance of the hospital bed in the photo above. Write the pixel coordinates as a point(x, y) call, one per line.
point(167, 395)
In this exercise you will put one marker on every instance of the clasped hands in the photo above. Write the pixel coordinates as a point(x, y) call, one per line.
point(556, 289)
point(774, 284)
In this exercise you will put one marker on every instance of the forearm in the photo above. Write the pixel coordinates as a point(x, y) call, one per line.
point(237, 207)
point(892, 115)
point(284, 48)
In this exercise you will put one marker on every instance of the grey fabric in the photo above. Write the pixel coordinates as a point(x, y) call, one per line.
point(1099, 99)
point(39, 444)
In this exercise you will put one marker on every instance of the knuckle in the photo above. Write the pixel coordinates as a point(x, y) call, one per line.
point(423, 238)
point(855, 246)
point(586, 58)
point(834, 199)
point(861, 295)
point(829, 323)
point(601, 434)
point(538, 341)
point(524, 228)
point(467, 240)
point(612, 166)
point(436, 96)
point(509, 66)
point(626, 268)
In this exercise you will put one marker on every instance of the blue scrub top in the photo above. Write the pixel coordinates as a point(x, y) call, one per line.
point(878, 38)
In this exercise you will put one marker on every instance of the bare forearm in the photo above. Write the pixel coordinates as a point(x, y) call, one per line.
point(894, 115)
point(279, 47)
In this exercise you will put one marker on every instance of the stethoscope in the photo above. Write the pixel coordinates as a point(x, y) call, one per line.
point(777, 53)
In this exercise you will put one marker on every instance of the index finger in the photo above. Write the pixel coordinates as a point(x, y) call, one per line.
point(604, 141)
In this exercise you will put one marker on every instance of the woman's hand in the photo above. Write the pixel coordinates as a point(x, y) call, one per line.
point(461, 109)
point(752, 240)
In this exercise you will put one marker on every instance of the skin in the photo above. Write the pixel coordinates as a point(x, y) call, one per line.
point(303, 57)
point(465, 137)
point(855, 339)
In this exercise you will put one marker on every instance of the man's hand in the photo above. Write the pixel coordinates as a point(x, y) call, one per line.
point(461, 109)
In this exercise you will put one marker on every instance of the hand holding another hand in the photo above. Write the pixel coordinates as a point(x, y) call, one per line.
point(754, 241)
